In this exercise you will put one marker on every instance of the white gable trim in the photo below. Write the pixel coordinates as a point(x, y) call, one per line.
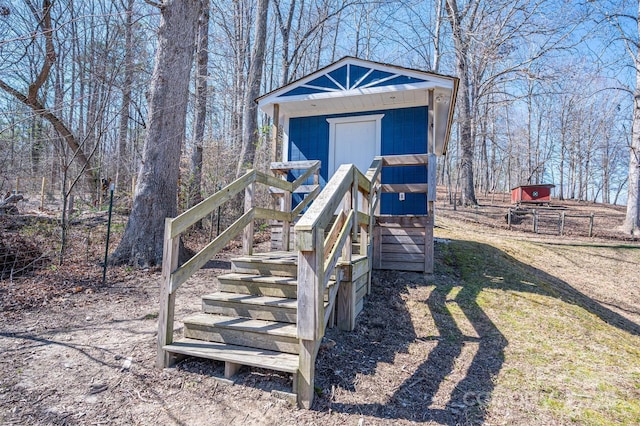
point(433, 80)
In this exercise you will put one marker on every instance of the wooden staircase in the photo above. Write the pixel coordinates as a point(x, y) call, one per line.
point(251, 320)
point(272, 309)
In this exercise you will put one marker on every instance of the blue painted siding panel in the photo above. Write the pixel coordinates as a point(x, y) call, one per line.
point(323, 81)
point(404, 131)
point(340, 75)
point(375, 76)
point(401, 79)
point(301, 90)
point(357, 73)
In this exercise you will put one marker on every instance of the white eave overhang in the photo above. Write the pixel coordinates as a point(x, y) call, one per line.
point(354, 97)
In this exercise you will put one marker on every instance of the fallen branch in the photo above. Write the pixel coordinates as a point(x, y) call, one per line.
point(11, 199)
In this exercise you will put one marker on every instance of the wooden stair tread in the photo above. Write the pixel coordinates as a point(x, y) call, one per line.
point(276, 302)
point(272, 328)
point(253, 357)
point(270, 279)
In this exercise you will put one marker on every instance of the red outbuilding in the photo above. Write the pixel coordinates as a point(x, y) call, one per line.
point(534, 194)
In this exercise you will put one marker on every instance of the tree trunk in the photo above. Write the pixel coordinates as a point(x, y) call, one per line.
point(250, 134)
point(157, 186)
point(123, 127)
point(632, 220)
point(467, 190)
point(31, 99)
point(202, 55)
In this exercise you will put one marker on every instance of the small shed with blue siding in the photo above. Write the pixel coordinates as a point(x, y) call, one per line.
point(354, 110)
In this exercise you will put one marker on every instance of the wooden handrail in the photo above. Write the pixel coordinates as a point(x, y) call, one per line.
point(181, 222)
point(405, 160)
point(273, 181)
point(319, 256)
point(321, 212)
point(285, 167)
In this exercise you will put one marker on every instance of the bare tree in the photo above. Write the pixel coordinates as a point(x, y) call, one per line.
point(123, 127)
point(156, 191)
point(33, 100)
point(462, 46)
point(618, 15)
point(202, 71)
point(632, 219)
point(250, 136)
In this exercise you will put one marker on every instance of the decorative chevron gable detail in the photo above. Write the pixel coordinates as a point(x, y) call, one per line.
point(351, 77)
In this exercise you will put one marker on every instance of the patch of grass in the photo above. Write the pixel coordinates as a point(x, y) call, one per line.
point(562, 354)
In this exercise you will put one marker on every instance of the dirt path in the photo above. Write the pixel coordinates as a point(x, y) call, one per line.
point(425, 350)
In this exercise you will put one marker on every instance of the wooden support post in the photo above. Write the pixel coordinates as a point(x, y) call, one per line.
point(347, 206)
point(311, 287)
point(346, 304)
point(431, 122)
point(509, 212)
point(275, 129)
point(247, 236)
point(17, 184)
point(377, 247)
point(374, 231)
point(167, 298)
point(42, 194)
point(306, 373)
point(431, 207)
point(286, 225)
point(310, 309)
point(562, 223)
point(591, 225)
point(559, 218)
point(535, 221)
point(365, 229)
point(230, 369)
point(428, 245)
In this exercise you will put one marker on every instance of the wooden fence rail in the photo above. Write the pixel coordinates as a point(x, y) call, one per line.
point(536, 214)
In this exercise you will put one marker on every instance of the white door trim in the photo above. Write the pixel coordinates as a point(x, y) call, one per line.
point(351, 119)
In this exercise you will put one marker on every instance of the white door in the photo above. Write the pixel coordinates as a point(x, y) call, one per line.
point(354, 140)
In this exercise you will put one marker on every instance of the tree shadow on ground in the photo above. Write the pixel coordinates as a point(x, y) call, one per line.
point(385, 329)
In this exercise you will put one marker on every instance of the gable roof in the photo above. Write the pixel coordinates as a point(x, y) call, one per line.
point(354, 85)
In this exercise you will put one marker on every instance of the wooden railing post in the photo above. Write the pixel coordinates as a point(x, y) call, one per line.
point(310, 309)
point(365, 230)
point(286, 225)
point(167, 297)
point(247, 236)
point(350, 202)
point(431, 209)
